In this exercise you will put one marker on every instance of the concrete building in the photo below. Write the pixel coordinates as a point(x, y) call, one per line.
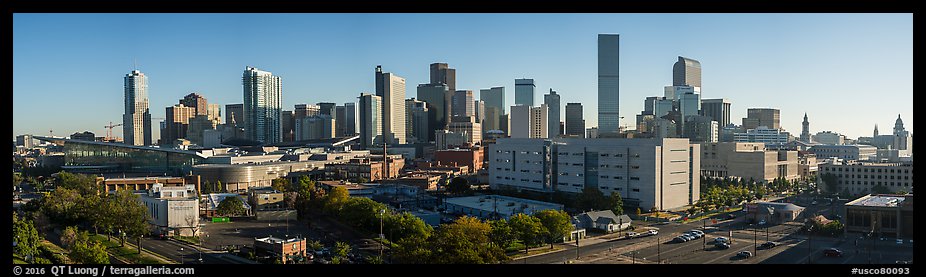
point(438, 99)
point(748, 161)
point(198, 125)
point(369, 168)
point(172, 209)
point(85, 135)
point(686, 72)
point(521, 121)
point(717, 109)
point(263, 96)
point(146, 183)
point(656, 174)
point(608, 83)
point(25, 141)
point(575, 125)
point(470, 157)
point(392, 90)
point(524, 92)
point(755, 117)
point(830, 138)
point(480, 109)
point(846, 152)
point(701, 129)
point(370, 120)
point(445, 139)
point(288, 250)
point(807, 164)
point(902, 138)
point(136, 121)
point(763, 135)
point(551, 100)
point(266, 199)
point(416, 121)
point(471, 130)
point(496, 206)
point(881, 215)
point(317, 127)
point(858, 178)
point(591, 132)
point(462, 103)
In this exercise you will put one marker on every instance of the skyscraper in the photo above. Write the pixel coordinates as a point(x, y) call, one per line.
point(197, 102)
point(136, 121)
point(608, 83)
point(176, 122)
point(529, 122)
point(717, 109)
point(494, 99)
point(234, 114)
point(553, 118)
point(441, 73)
point(575, 125)
point(325, 108)
point(756, 117)
point(524, 92)
point(479, 108)
point(392, 89)
point(463, 103)
point(346, 120)
point(805, 130)
point(686, 72)
point(288, 123)
point(438, 98)
point(370, 115)
point(263, 95)
point(416, 120)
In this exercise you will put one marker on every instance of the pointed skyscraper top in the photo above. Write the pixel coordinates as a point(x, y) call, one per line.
point(876, 131)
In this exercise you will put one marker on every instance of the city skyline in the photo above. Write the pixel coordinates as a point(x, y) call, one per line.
point(794, 58)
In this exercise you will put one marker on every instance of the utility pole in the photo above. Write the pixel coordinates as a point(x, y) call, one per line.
point(704, 237)
point(658, 253)
point(755, 240)
point(809, 244)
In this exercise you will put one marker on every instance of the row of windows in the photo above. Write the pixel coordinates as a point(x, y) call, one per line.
point(873, 183)
point(879, 170)
point(866, 176)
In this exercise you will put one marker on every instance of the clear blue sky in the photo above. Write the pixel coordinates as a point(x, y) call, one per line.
point(847, 71)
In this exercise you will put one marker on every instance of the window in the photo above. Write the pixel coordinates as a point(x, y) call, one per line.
point(635, 178)
point(635, 190)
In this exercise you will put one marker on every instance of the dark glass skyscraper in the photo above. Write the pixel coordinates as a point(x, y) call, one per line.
point(608, 83)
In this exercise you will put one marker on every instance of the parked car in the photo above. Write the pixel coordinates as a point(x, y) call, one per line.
point(651, 232)
point(631, 235)
point(832, 252)
point(731, 215)
point(722, 246)
point(744, 254)
point(679, 239)
point(768, 245)
point(721, 240)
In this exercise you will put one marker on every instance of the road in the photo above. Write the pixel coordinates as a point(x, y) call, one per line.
point(189, 255)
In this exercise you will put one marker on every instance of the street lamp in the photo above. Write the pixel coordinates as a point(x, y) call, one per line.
point(809, 246)
point(181, 254)
point(381, 237)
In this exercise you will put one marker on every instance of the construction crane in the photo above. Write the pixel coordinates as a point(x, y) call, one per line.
point(109, 130)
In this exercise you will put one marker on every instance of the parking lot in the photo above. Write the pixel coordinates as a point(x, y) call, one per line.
point(241, 232)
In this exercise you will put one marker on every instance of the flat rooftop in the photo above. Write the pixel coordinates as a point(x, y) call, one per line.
point(274, 240)
point(503, 204)
point(878, 201)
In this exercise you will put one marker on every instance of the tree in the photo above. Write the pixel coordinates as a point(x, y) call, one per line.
point(280, 184)
point(17, 178)
point(85, 251)
point(130, 216)
point(25, 237)
point(231, 205)
point(335, 200)
point(315, 245)
point(591, 199)
point(206, 188)
point(880, 189)
point(502, 234)
point(341, 249)
point(85, 184)
point(459, 185)
point(465, 241)
point(526, 228)
point(616, 203)
point(405, 225)
point(414, 250)
point(555, 225)
point(362, 212)
point(638, 211)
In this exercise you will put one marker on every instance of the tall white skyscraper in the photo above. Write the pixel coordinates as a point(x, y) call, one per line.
point(136, 122)
point(608, 83)
point(524, 92)
point(392, 89)
point(553, 119)
point(263, 96)
point(370, 115)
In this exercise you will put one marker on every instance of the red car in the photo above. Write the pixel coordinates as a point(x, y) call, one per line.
point(832, 252)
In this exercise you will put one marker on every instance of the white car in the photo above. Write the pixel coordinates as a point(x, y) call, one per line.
point(652, 232)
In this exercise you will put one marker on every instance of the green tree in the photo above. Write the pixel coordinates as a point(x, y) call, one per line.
point(502, 234)
point(231, 206)
point(131, 217)
point(315, 245)
point(414, 250)
point(341, 249)
point(555, 225)
point(616, 203)
point(84, 184)
point(25, 237)
point(465, 241)
point(591, 199)
point(362, 212)
point(403, 225)
point(89, 252)
point(638, 211)
point(219, 187)
point(280, 184)
point(206, 188)
point(526, 228)
point(17, 178)
point(459, 185)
